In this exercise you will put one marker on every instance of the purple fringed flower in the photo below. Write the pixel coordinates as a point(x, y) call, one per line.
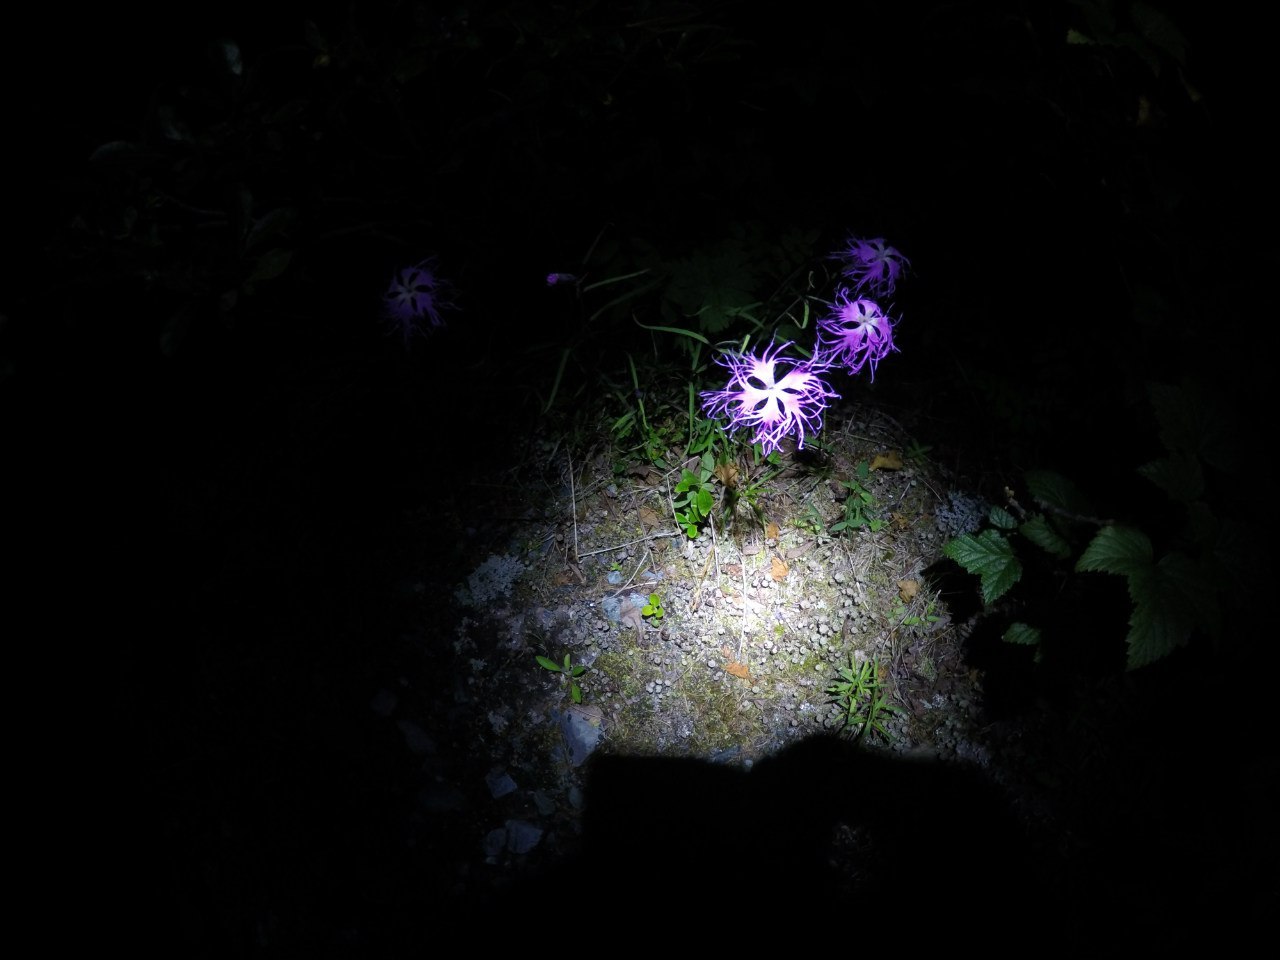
point(871, 263)
point(772, 395)
point(417, 299)
point(856, 333)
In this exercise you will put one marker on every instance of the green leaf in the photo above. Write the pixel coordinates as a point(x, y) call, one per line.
point(1040, 532)
point(1021, 634)
point(578, 670)
point(1193, 583)
point(548, 663)
point(1119, 550)
point(1002, 518)
point(714, 285)
point(1161, 621)
point(575, 693)
point(1055, 490)
point(1193, 423)
point(692, 334)
point(1160, 31)
point(705, 501)
point(270, 265)
point(1180, 476)
point(991, 557)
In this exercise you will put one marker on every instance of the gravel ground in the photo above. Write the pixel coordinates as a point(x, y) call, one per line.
point(707, 756)
point(356, 743)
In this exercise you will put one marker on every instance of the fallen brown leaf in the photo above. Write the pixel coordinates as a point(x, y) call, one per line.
point(727, 473)
point(889, 460)
point(629, 614)
point(799, 550)
point(739, 670)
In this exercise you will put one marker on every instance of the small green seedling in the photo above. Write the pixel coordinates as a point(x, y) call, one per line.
point(899, 614)
point(693, 496)
point(917, 451)
point(860, 696)
point(858, 505)
point(570, 670)
point(653, 609)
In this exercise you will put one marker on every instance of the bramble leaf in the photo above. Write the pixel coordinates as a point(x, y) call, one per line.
point(1161, 621)
point(1117, 549)
point(1056, 491)
point(991, 557)
point(1040, 532)
point(1180, 476)
point(1002, 518)
point(1022, 634)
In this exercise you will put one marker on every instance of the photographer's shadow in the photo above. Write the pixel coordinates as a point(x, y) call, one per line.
point(823, 825)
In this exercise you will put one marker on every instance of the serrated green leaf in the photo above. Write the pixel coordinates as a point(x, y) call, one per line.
point(1180, 476)
point(1040, 532)
point(1054, 490)
point(1161, 620)
point(270, 265)
point(1194, 423)
point(1117, 549)
point(1193, 584)
point(991, 557)
point(270, 224)
point(974, 552)
point(1160, 31)
point(1021, 634)
point(1203, 526)
point(1002, 518)
point(714, 284)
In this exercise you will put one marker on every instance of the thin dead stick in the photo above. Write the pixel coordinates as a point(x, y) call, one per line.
point(715, 555)
point(697, 591)
point(632, 579)
point(627, 543)
point(715, 546)
point(697, 598)
point(573, 506)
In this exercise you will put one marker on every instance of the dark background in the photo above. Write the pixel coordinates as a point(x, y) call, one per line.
point(213, 511)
